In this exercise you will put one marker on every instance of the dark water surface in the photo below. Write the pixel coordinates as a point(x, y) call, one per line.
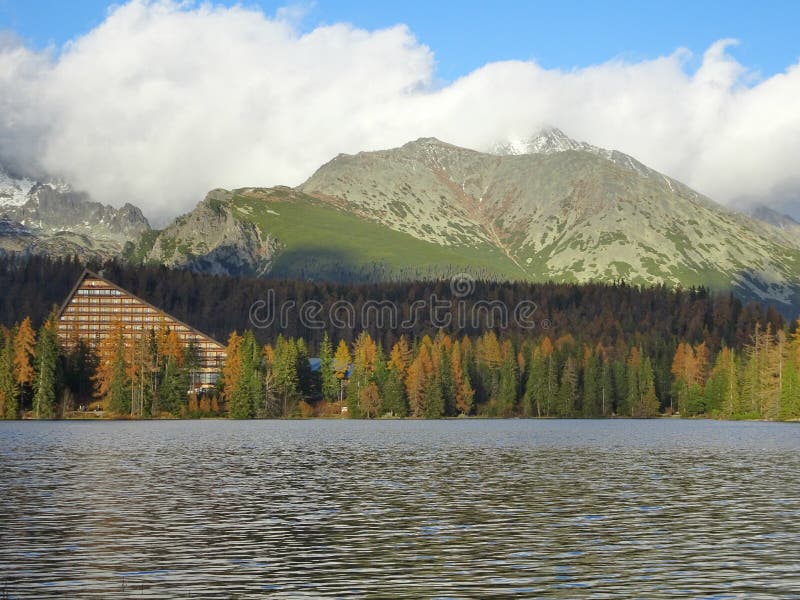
point(476, 509)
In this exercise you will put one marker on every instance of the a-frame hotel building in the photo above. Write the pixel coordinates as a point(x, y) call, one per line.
point(96, 304)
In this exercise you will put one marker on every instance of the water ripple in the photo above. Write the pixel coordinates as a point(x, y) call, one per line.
point(455, 509)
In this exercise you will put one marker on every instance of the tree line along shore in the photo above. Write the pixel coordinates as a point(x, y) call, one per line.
point(610, 350)
point(431, 376)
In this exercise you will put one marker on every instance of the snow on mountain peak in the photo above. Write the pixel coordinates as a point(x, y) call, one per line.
point(14, 191)
point(548, 140)
point(551, 140)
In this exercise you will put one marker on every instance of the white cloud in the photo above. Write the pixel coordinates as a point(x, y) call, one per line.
point(164, 101)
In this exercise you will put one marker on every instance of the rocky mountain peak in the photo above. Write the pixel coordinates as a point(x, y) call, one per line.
point(425, 142)
point(48, 217)
point(213, 238)
point(551, 140)
point(553, 207)
point(547, 140)
point(14, 190)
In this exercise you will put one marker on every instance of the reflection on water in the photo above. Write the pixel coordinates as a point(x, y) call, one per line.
point(474, 508)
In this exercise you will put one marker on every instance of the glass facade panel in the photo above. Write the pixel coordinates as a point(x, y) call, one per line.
point(97, 305)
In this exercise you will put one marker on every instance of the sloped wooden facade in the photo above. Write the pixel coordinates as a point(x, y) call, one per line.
point(95, 305)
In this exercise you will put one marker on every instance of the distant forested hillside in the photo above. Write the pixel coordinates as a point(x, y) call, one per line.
point(654, 317)
point(669, 339)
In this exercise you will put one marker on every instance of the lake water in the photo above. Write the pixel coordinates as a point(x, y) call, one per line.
point(467, 508)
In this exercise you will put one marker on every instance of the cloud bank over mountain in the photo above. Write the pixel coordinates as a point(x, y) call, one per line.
point(164, 101)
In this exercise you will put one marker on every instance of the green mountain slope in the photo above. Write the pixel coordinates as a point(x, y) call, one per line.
point(553, 209)
point(319, 241)
point(565, 214)
point(286, 233)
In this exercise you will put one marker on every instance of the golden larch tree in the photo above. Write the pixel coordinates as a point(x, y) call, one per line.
point(463, 389)
point(400, 356)
point(416, 379)
point(232, 369)
point(341, 360)
point(24, 344)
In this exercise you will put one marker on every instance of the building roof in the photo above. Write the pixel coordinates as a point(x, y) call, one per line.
point(91, 274)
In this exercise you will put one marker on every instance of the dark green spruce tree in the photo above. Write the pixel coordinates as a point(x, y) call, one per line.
point(329, 382)
point(568, 390)
point(286, 377)
point(592, 387)
point(507, 387)
point(119, 396)
point(394, 395)
point(434, 405)
point(9, 392)
point(45, 379)
point(247, 396)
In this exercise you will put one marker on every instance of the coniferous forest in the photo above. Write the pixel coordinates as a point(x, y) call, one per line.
point(595, 350)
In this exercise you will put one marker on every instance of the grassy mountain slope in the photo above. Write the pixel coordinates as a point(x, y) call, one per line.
point(320, 241)
point(289, 234)
point(564, 211)
point(566, 215)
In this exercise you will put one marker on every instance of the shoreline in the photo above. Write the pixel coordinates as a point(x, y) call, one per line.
point(459, 418)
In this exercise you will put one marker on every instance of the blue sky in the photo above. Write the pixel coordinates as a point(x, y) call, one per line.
point(466, 35)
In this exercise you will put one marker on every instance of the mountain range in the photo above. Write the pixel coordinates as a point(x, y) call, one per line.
point(545, 208)
point(48, 217)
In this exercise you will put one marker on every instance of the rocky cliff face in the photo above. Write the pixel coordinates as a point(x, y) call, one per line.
point(212, 239)
point(51, 209)
point(50, 218)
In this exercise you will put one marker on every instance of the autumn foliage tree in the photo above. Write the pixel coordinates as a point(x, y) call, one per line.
point(464, 393)
point(111, 377)
point(365, 353)
point(341, 365)
point(416, 382)
point(24, 347)
point(232, 368)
